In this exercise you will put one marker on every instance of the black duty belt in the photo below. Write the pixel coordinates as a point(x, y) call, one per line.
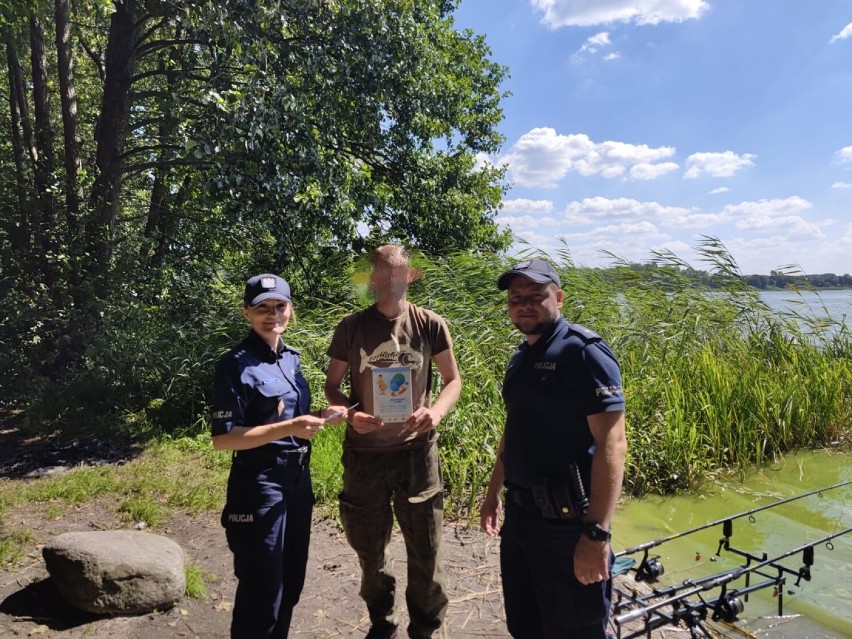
point(281, 457)
point(524, 498)
point(540, 503)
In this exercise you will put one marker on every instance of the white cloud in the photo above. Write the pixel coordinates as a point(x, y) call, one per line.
point(845, 33)
point(721, 189)
point(612, 56)
point(787, 206)
point(646, 171)
point(591, 45)
point(775, 215)
point(844, 155)
point(519, 223)
point(599, 39)
point(601, 209)
point(791, 225)
point(565, 13)
point(716, 164)
point(522, 205)
point(542, 157)
point(841, 185)
point(763, 215)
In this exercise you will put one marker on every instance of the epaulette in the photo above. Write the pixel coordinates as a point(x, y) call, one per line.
point(291, 349)
point(585, 333)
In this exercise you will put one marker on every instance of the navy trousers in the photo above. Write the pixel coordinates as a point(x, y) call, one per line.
point(543, 598)
point(267, 520)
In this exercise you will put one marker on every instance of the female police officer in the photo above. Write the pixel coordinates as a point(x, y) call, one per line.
point(261, 411)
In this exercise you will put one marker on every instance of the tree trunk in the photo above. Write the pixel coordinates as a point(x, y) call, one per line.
point(110, 135)
point(16, 116)
point(68, 100)
point(44, 224)
point(160, 210)
point(20, 232)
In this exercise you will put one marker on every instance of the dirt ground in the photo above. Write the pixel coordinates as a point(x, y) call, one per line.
point(330, 606)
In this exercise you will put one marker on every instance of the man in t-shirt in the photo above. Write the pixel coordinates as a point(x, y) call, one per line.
point(561, 461)
point(390, 454)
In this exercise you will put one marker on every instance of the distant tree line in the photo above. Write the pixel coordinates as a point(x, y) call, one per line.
point(775, 279)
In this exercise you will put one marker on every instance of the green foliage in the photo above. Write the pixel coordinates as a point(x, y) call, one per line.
point(713, 378)
point(196, 581)
point(213, 141)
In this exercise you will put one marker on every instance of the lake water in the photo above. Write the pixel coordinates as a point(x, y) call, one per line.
point(836, 304)
point(816, 609)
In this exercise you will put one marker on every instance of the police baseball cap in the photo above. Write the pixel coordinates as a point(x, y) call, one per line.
point(540, 271)
point(266, 287)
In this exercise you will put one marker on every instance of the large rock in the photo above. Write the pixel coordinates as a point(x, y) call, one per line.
point(116, 571)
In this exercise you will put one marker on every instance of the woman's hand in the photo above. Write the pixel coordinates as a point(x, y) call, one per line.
point(306, 426)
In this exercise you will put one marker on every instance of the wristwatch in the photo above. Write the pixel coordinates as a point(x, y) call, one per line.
point(594, 531)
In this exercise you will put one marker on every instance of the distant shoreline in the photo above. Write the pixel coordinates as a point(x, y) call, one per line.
point(802, 289)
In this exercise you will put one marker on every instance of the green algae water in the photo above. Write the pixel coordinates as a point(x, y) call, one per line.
point(817, 609)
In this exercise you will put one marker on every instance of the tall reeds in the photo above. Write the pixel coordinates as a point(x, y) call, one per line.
point(714, 379)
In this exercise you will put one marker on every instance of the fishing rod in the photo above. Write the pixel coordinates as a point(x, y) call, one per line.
point(651, 568)
point(807, 551)
point(657, 542)
point(727, 605)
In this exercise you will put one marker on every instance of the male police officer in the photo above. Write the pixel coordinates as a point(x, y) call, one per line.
point(561, 459)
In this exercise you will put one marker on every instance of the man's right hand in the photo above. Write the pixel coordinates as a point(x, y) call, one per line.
point(489, 514)
point(364, 423)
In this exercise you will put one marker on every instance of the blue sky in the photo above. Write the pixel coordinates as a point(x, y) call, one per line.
point(640, 125)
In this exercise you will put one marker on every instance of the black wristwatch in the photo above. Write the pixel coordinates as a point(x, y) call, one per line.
point(594, 531)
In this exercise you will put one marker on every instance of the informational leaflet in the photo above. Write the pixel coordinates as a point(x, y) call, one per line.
point(392, 401)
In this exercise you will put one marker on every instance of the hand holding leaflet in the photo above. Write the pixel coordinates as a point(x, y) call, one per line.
point(340, 412)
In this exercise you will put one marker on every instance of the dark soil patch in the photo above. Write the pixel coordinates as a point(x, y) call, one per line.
point(30, 456)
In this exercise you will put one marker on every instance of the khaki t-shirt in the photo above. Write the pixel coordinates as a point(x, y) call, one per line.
point(368, 340)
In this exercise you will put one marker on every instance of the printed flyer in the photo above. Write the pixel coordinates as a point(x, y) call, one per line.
point(392, 401)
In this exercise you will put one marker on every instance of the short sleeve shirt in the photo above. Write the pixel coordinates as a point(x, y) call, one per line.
point(367, 340)
point(549, 390)
point(254, 385)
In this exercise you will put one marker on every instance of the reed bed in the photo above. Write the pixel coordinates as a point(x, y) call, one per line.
point(714, 379)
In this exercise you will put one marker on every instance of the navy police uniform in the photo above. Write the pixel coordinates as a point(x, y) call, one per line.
point(267, 515)
point(549, 389)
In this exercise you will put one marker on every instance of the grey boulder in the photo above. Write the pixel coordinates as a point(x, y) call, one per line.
point(116, 571)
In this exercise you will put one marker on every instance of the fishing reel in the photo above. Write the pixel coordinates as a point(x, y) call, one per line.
point(650, 569)
point(728, 607)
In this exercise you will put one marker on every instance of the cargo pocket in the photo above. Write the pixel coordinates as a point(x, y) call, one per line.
point(244, 507)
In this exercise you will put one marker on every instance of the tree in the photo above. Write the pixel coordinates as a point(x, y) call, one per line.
point(204, 140)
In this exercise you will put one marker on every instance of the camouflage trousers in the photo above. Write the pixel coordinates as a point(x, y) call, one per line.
point(376, 486)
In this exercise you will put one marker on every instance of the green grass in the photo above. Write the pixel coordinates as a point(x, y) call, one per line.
point(13, 546)
point(196, 582)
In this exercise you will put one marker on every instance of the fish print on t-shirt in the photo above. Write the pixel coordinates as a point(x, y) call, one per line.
point(390, 353)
